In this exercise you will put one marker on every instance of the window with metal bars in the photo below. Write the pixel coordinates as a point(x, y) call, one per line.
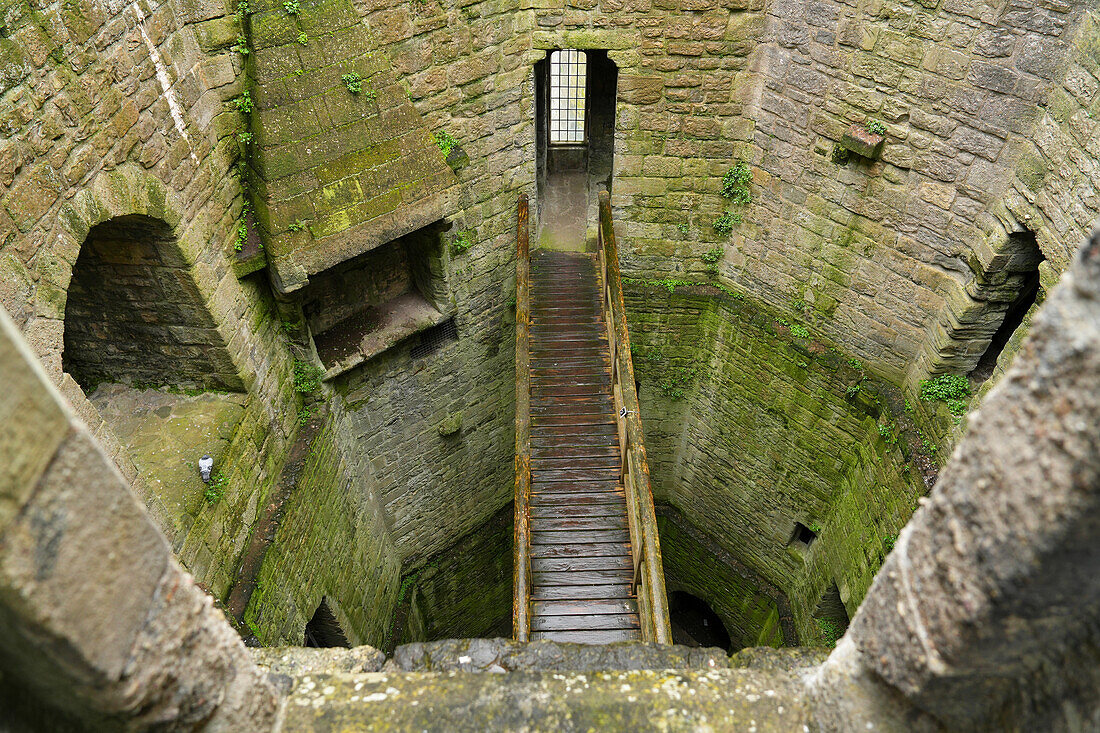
point(434, 338)
point(568, 71)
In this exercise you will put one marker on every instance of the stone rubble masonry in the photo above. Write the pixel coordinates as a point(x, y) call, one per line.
point(102, 627)
point(751, 429)
point(357, 169)
point(986, 614)
point(88, 133)
point(332, 543)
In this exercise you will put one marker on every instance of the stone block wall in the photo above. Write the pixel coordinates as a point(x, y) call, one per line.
point(464, 592)
point(749, 611)
point(121, 111)
point(343, 161)
point(753, 424)
point(332, 543)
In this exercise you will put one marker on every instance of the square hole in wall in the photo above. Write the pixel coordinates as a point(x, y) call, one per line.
point(802, 535)
point(362, 307)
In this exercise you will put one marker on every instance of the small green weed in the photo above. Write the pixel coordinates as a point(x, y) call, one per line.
point(216, 489)
point(307, 378)
point(724, 224)
point(684, 227)
point(297, 226)
point(830, 631)
point(244, 137)
point(874, 127)
point(242, 236)
point(945, 387)
point(292, 6)
point(302, 39)
point(353, 82)
point(242, 46)
point(244, 103)
point(735, 184)
point(888, 542)
point(243, 8)
point(445, 142)
point(462, 241)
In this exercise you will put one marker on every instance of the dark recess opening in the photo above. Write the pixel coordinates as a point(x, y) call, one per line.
point(323, 630)
point(434, 338)
point(831, 615)
point(803, 534)
point(1028, 254)
point(134, 314)
point(694, 622)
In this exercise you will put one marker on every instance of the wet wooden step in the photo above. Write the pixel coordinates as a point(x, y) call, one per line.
point(581, 592)
point(578, 536)
point(594, 549)
point(555, 499)
point(581, 523)
point(620, 563)
point(588, 637)
point(580, 577)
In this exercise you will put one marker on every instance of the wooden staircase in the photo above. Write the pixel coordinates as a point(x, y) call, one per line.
point(587, 565)
point(581, 563)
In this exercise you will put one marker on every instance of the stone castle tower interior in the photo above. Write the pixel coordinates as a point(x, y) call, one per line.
point(841, 274)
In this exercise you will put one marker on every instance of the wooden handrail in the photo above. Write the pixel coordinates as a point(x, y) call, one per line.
point(521, 574)
point(645, 543)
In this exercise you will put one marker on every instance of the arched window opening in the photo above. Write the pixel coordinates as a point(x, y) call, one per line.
point(1022, 286)
point(831, 615)
point(134, 315)
point(323, 630)
point(694, 622)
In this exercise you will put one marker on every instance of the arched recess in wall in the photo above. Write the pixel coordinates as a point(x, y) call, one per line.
point(976, 325)
point(134, 314)
point(118, 277)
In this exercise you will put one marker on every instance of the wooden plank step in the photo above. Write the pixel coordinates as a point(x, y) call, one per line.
point(582, 511)
point(544, 578)
point(553, 499)
point(594, 607)
point(607, 429)
point(575, 487)
point(578, 536)
point(581, 623)
point(594, 549)
point(559, 415)
point(586, 523)
point(607, 636)
point(618, 563)
point(565, 449)
point(572, 473)
point(581, 592)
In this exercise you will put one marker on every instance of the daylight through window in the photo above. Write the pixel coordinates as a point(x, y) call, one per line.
point(567, 82)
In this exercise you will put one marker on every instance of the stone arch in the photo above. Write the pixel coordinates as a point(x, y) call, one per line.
point(126, 196)
point(133, 313)
point(977, 320)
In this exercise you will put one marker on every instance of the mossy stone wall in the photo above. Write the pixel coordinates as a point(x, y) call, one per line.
point(332, 543)
point(464, 592)
point(752, 425)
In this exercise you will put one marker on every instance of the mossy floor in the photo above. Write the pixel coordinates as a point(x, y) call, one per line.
point(165, 434)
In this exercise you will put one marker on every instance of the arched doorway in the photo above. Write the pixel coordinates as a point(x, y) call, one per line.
point(134, 314)
point(694, 622)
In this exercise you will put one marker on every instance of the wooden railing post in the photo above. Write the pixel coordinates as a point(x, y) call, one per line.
point(645, 542)
point(521, 579)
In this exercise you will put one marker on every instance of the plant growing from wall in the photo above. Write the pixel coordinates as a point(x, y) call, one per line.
point(945, 387)
point(446, 142)
point(353, 82)
point(292, 7)
point(724, 224)
point(874, 127)
point(462, 241)
point(711, 258)
point(216, 489)
point(735, 184)
point(242, 46)
point(302, 39)
point(830, 631)
point(307, 377)
point(244, 103)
